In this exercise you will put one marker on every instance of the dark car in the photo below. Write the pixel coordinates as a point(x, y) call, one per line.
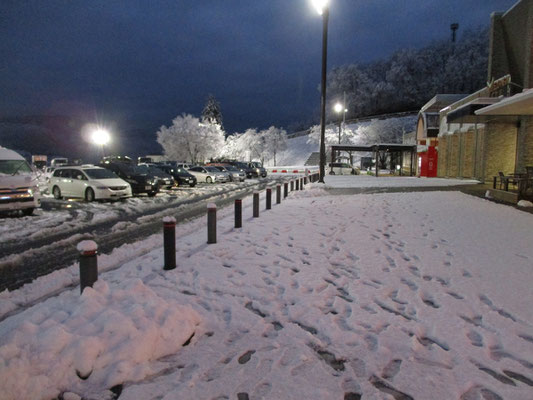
point(166, 181)
point(258, 167)
point(180, 175)
point(139, 180)
point(244, 167)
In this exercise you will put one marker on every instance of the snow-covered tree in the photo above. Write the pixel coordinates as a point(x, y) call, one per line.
point(409, 78)
point(187, 139)
point(211, 113)
point(275, 140)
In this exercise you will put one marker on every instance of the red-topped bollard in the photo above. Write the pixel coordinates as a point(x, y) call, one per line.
point(211, 223)
point(169, 242)
point(88, 263)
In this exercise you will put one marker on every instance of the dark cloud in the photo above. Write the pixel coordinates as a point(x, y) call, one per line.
point(141, 63)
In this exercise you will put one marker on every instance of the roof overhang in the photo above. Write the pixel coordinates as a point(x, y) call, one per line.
point(467, 112)
point(519, 104)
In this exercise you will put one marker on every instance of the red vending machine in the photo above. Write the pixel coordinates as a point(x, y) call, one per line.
point(427, 162)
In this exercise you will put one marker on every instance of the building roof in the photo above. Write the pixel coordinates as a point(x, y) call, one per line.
point(440, 101)
point(519, 104)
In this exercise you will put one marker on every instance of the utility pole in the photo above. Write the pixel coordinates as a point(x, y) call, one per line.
point(454, 27)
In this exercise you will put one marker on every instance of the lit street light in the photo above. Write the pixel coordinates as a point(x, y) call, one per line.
point(322, 7)
point(101, 137)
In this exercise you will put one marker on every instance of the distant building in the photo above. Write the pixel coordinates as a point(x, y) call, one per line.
point(490, 130)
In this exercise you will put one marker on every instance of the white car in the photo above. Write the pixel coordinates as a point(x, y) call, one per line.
point(88, 182)
point(208, 174)
point(19, 188)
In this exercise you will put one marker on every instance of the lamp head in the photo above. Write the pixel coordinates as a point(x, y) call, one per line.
point(100, 136)
point(320, 5)
point(338, 107)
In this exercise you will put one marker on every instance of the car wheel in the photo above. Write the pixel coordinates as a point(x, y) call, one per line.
point(27, 211)
point(209, 180)
point(89, 195)
point(151, 194)
point(331, 172)
point(56, 192)
point(192, 184)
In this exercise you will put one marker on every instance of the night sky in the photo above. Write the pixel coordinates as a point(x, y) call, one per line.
point(139, 63)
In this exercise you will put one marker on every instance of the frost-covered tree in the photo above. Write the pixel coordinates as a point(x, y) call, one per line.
point(276, 141)
point(212, 113)
point(409, 78)
point(187, 139)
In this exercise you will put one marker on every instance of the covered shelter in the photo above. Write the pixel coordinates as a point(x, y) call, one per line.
point(387, 151)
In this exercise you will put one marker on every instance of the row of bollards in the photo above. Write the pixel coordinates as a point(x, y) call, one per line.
point(88, 249)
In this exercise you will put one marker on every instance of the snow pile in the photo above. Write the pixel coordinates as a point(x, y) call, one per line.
point(103, 338)
point(525, 203)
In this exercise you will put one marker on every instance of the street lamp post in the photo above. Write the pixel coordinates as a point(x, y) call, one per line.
point(322, 7)
point(338, 109)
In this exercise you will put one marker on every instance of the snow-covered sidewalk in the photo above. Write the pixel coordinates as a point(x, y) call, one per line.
point(382, 296)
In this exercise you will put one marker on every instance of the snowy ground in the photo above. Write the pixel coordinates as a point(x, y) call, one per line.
point(384, 296)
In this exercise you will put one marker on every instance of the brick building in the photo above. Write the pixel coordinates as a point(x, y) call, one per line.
point(491, 130)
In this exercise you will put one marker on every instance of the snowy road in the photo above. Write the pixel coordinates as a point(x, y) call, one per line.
point(36, 245)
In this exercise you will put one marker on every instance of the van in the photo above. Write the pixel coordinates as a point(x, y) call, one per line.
point(59, 162)
point(19, 189)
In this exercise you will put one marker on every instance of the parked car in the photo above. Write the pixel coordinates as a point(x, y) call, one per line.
point(180, 175)
point(235, 174)
point(342, 169)
point(184, 165)
point(165, 180)
point(258, 167)
point(208, 174)
point(244, 167)
point(88, 182)
point(140, 181)
point(59, 161)
point(18, 183)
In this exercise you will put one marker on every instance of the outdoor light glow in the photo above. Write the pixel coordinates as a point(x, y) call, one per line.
point(100, 136)
point(320, 5)
point(338, 107)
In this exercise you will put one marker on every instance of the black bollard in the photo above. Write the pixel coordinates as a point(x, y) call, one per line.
point(292, 185)
point(285, 189)
point(297, 184)
point(269, 198)
point(301, 183)
point(305, 180)
point(211, 223)
point(238, 213)
point(256, 204)
point(88, 263)
point(169, 242)
point(278, 194)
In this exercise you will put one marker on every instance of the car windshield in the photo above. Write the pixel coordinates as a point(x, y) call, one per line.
point(211, 169)
point(256, 165)
point(100, 173)
point(231, 168)
point(240, 165)
point(14, 167)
